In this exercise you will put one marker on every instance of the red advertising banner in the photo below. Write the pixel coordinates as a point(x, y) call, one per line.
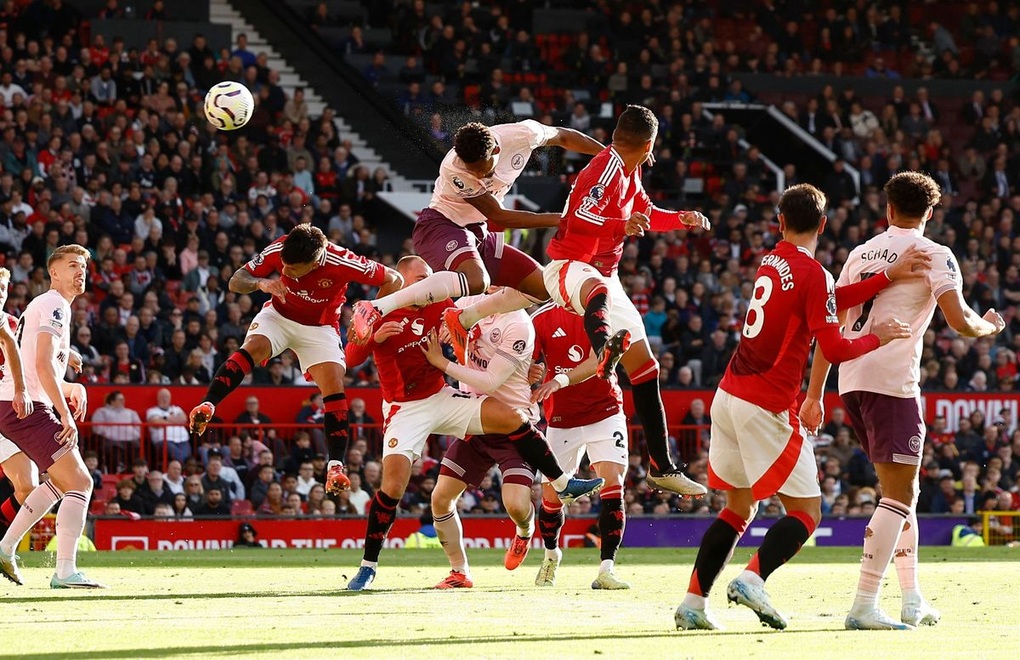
point(124, 534)
point(282, 404)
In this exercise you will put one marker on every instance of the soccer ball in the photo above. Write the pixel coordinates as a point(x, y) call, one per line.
point(228, 105)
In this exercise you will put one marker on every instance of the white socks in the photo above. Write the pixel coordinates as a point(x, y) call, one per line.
point(70, 524)
point(503, 301)
point(606, 565)
point(36, 505)
point(555, 554)
point(438, 286)
point(880, 539)
point(905, 558)
point(451, 536)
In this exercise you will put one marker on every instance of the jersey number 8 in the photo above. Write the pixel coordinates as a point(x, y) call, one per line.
point(755, 320)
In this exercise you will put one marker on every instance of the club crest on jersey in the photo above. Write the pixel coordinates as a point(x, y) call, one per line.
point(495, 335)
point(451, 246)
point(325, 284)
point(458, 182)
point(519, 346)
point(597, 192)
point(575, 353)
point(418, 327)
point(517, 162)
point(392, 443)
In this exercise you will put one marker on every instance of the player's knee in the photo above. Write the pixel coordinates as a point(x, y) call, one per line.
point(22, 492)
point(441, 504)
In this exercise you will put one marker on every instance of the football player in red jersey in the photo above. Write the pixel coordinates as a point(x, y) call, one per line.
point(304, 316)
point(417, 402)
point(758, 446)
point(607, 204)
point(585, 415)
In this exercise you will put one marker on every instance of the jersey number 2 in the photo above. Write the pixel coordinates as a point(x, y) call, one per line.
point(755, 320)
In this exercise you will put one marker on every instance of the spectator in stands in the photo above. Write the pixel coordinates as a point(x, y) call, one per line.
point(127, 498)
point(154, 492)
point(167, 427)
point(251, 415)
point(265, 475)
point(119, 426)
point(217, 475)
point(358, 496)
point(174, 478)
point(274, 501)
point(361, 422)
point(216, 504)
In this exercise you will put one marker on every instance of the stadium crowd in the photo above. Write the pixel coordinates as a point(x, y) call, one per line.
point(106, 146)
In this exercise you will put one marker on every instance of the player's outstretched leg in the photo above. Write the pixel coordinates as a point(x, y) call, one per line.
point(435, 287)
point(716, 549)
point(500, 419)
point(550, 522)
point(880, 539)
point(915, 610)
point(643, 371)
point(226, 379)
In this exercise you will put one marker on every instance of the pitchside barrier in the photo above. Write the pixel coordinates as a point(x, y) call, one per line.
point(1000, 527)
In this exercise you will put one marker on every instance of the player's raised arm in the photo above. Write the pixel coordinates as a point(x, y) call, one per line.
point(242, 281)
point(487, 381)
point(574, 140)
point(666, 220)
point(578, 374)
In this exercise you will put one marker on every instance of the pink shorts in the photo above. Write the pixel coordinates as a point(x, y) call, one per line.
point(445, 245)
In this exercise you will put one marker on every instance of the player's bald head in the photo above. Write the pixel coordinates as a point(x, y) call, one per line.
point(413, 269)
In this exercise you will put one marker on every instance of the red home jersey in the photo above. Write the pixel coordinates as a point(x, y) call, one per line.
point(404, 373)
point(601, 201)
point(794, 298)
point(316, 298)
point(560, 337)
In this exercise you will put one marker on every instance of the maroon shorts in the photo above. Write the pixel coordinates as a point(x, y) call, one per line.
point(470, 460)
point(35, 435)
point(445, 245)
point(890, 428)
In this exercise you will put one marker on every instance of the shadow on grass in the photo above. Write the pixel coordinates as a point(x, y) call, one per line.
point(207, 650)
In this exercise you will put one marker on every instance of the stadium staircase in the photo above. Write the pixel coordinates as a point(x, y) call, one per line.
point(318, 95)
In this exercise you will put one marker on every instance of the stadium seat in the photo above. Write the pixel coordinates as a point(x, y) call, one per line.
point(241, 508)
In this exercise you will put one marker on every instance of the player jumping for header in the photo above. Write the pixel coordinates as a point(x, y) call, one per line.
point(304, 316)
point(608, 203)
point(452, 236)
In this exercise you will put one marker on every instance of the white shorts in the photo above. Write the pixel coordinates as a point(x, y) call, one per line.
point(313, 344)
point(603, 441)
point(408, 425)
point(7, 449)
point(563, 280)
point(759, 449)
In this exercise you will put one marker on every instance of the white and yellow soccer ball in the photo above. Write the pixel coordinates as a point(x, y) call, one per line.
point(229, 105)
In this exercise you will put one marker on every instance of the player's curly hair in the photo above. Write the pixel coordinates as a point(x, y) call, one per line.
point(636, 125)
point(802, 207)
point(912, 193)
point(304, 244)
point(473, 142)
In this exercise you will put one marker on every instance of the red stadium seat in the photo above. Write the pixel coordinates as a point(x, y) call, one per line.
point(241, 508)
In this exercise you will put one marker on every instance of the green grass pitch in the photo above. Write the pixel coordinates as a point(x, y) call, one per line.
point(290, 604)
